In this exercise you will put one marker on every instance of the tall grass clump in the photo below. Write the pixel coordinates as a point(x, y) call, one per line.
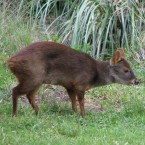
point(98, 26)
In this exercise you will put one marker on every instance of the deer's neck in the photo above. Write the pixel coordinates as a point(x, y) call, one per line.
point(103, 75)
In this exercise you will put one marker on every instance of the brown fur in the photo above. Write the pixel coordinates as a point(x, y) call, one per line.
point(56, 64)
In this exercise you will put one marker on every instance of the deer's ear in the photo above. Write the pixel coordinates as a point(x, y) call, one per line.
point(118, 56)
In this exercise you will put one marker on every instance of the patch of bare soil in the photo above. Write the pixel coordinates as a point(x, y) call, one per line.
point(60, 95)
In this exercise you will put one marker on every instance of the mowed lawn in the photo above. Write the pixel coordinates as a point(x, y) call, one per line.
point(120, 122)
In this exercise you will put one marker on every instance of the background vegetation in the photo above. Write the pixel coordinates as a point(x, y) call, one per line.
point(96, 27)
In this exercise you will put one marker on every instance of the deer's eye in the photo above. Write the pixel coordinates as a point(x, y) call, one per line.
point(126, 70)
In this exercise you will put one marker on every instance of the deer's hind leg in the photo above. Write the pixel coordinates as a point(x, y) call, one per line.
point(31, 98)
point(16, 93)
point(28, 88)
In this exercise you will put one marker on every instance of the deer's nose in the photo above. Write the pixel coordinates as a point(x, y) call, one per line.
point(135, 81)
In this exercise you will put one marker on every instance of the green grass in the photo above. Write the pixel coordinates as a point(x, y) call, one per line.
point(61, 126)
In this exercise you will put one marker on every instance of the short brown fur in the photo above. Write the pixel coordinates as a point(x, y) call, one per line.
point(56, 64)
